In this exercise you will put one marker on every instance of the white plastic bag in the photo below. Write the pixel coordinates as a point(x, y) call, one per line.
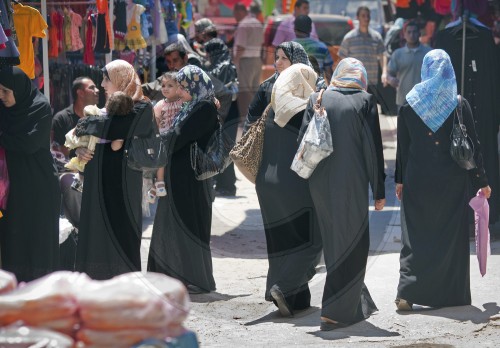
point(315, 145)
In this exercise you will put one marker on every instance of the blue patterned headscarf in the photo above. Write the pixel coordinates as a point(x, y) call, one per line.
point(435, 97)
point(349, 75)
point(198, 84)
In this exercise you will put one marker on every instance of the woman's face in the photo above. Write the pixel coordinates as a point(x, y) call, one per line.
point(169, 89)
point(281, 61)
point(183, 94)
point(7, 96)
point(108, 86)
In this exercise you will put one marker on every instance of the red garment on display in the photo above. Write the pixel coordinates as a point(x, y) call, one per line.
point(88, 54)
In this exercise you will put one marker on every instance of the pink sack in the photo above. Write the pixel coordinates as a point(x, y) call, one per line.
point(482, 216)
point(4, 180)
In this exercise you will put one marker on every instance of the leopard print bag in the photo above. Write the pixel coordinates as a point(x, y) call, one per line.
point(247, 153)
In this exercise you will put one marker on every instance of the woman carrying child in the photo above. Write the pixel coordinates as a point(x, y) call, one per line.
point(109, 237)
point(180, 244)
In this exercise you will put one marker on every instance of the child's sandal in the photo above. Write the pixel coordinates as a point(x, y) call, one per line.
point(151, 196)
point(161, 190)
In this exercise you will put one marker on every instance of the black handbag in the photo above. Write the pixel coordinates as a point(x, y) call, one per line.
point(215, 159)
point(462, 148)
point(147, 153)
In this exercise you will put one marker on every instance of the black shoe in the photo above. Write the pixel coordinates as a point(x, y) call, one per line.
point(280, 300)
point(196, 290)
point(225, 193)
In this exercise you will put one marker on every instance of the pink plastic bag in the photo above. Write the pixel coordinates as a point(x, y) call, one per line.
point(481, 215)
point(4, 180)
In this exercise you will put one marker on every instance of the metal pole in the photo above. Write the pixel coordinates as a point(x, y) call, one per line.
point(45, 54)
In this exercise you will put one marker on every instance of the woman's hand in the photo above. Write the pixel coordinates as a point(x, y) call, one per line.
point(379, 204)
point(399, 191)
point(84, 154)
point(486, 191)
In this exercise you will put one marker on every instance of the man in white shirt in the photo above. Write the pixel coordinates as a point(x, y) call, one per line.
point(248, 39)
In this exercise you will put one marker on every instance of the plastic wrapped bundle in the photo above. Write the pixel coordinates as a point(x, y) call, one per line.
point(8, 282)
point(45, 302)
point(23, 336)
point(131, 307)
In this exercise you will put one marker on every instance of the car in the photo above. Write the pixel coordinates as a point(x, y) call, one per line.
point(350, 7)
point(331, 30)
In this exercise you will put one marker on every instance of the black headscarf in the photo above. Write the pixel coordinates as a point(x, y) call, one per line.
point(220, 61)
point(219, 53)
point(30, 107)
point(294, 52)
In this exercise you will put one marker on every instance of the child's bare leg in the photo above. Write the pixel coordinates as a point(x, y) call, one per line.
point(117, 144)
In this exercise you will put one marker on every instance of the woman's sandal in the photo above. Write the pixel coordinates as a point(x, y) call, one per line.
point(161, 190)
point(403, 305)
point(329, 324)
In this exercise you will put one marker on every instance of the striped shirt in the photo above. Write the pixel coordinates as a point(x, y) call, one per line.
point(366, 47)
point(318, 50)
point(165, 113)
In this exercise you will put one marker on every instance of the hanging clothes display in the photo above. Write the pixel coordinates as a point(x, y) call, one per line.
point(120, 23)
point(10, 54)
point(29, 23)
point(76, 23)
point(103, 30)
point(160, 30)
point(133, 39)
point(56, 21)
point(88, 53)
point(482, 88)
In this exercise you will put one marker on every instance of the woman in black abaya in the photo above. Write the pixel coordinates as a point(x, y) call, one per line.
point(434, 260)
point(180, 244)
point(290, 222)
point(110, 228)
point(339, 190)
point(29, 231)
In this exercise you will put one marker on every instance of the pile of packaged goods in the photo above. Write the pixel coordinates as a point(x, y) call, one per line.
point(118, 312)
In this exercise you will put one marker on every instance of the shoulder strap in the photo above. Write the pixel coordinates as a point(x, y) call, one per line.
point(459, 110)
point(320, 97)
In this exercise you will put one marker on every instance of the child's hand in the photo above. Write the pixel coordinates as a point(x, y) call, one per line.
point(84, 154)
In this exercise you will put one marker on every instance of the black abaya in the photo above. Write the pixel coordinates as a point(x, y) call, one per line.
point(111, 214)
point(29, 235)
point(339, 190)
point(180, 243)
point(291, 226)
point(434, 260)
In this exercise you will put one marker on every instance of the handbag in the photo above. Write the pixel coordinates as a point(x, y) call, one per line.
point(462, 148)
point(215, 159)
point(147, 153)
point(316, 144)
point(247, 153)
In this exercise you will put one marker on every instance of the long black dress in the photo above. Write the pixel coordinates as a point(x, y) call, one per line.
point(29, 230)
point(180, 244)
point(434, 260)
point(109, 237)
point(339, 190)
point(290, 222)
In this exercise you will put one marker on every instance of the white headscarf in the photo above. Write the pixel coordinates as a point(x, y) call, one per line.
point(291, 92)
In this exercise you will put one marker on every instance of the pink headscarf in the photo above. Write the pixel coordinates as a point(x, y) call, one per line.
point(123, 76)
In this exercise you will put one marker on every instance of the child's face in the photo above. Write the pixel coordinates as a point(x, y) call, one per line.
point(169, 89)
point(183, 94)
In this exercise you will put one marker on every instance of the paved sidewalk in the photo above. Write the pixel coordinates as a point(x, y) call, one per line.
point(236, 315)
